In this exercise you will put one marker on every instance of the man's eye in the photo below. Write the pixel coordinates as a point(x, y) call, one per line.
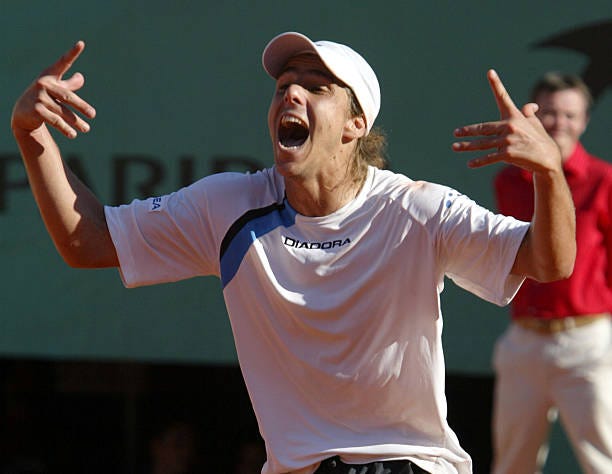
point(317, 89)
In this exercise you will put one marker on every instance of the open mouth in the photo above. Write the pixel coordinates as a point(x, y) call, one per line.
point(292, 132)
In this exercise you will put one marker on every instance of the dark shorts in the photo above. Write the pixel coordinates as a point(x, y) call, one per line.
point(335, 466)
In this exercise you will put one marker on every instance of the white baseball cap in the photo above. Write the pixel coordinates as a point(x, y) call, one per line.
point(343, 62)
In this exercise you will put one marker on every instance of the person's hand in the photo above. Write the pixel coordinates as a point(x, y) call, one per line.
point(518, 138)
point(51, 99)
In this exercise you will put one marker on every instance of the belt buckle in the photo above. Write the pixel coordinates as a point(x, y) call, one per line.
point(561, 324)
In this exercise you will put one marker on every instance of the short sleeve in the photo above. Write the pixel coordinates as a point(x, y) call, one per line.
point(480, 248)
point(164, 239)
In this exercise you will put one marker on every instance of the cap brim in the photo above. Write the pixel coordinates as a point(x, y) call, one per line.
point(282, 48)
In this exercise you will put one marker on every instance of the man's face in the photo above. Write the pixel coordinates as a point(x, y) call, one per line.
point(564, 116)
point(307, 118)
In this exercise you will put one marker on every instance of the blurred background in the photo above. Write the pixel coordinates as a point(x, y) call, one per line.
point(91, 374)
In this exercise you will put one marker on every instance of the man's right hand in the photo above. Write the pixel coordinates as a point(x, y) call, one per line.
point(52, 100)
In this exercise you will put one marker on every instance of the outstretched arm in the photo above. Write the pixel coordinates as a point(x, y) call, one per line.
point(548, 251)
point(74, 217)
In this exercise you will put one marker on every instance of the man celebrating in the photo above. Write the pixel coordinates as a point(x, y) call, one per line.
point(331, 267)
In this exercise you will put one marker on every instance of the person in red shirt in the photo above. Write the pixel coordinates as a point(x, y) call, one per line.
point(556, 355)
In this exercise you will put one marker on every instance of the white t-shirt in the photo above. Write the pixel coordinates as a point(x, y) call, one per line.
point(336, 319)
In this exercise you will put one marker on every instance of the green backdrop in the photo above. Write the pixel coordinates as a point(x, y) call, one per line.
point(180, 93)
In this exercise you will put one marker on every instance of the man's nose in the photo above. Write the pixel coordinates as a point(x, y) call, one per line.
point(294, 94)
point(557, 123)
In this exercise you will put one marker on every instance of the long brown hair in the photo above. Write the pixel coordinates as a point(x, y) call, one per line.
point(370, 149)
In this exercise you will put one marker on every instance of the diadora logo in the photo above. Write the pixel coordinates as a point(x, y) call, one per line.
point(298, 244)
point(156, 204)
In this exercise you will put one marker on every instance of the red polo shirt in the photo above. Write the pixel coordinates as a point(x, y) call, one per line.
point(589, 289)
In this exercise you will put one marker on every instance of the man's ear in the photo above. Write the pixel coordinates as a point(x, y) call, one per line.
point(355, 128)
point(586, 122)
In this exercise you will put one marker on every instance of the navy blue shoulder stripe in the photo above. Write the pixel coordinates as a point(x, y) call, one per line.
point(242, 233)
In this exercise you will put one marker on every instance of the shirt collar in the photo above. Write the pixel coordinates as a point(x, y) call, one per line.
point(576, 164)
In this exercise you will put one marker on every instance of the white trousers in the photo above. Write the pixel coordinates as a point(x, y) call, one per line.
point(570, 371)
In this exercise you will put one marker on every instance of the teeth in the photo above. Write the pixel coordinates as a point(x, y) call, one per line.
point(292, 131)
point(289, 119)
